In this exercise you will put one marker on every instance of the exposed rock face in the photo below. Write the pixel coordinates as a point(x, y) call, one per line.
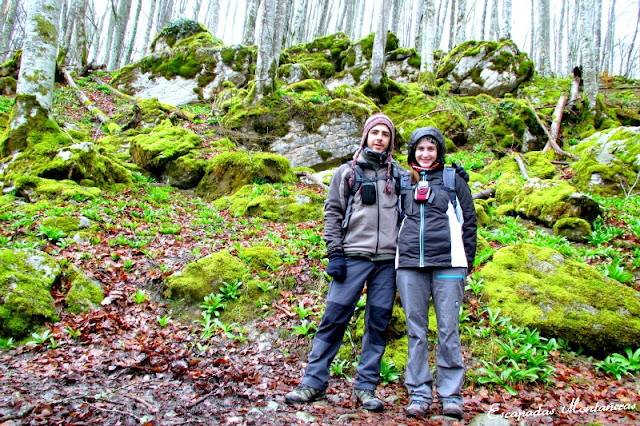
point(539, 288)
point(485, 67)
point(608, 160)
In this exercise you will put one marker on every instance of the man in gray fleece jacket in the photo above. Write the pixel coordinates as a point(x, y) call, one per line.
point(361, 238)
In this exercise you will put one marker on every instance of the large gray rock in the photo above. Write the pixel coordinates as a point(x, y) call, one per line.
point(486, 67)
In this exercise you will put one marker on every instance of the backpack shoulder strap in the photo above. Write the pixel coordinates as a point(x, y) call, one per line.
point(449, 181)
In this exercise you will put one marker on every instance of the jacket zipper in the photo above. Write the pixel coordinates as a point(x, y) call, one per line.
point(378, 209)
point(422, 235)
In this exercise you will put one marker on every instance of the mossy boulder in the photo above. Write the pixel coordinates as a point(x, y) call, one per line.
point(539, 288)
point(179, 31)
point(546, 201)
point(508, 186)
point(84, 293)
point(274, 202)
point(608, 161)
point(165, 143)
point(489, 67)
point(572, 228)
point(321, 56)
point(184, 172)
point(204, 276)
point(482, 212)
point(26, 278)
point(260, 257)
point(35, 188)
point(230, 171)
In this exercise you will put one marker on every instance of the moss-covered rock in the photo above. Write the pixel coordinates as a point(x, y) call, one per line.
point(572, 228)
point(275, 202)
point(508, 186)
point(185, 172)
point(539, 288)
point(180, 31)
point(204, 276)
point(230, 171)
point(165, 143)
point(84, 293)
point(608, 160)
point(321, 56)
point(260, 257)
point(35, 188)
point(26, 278)
point(482, 212)
point(546, 201)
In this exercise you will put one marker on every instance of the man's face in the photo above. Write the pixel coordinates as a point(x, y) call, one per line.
point(378, 138)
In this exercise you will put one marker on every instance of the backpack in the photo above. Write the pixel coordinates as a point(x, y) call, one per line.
point(402, 186)
point(449, 185)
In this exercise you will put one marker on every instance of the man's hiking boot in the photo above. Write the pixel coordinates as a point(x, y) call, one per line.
point(452, 409)
point(368, 399)
point(418, 409)
point(303, 394)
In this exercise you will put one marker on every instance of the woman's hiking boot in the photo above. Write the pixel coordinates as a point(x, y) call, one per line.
point(418, 409)
point(303, 394)
point(368, 399)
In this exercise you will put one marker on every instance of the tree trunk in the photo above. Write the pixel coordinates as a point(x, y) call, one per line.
point(112, 7)
point(278, 34)
point(379, 43)
point(494, 27)
point(39, 51)
point(196, 10)
point(559, 64)
point(324, 20)
point(483, 25)
point(428, 36)
point(630, 67)
point(461, 23)
point(165, 13)
point(534, 57)
point(573, 36)
point(81, 50)
point(249, 34)
point(544, 38)
point(452, 25)
point(266, 62)
point(506, 19)
point(134, 33)
point(589, 71)
point(213, 16)
point(442, 13)
point(147, 32)
point(122, 21)
point(394, 16)
point(607, 49)
point(347, 26)
point(67, 24)
point(358, 20)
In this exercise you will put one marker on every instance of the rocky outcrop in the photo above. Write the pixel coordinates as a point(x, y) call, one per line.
point(485, 67)
point(537, 287)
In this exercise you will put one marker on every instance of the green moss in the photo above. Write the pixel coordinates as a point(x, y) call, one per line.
point(165, 143)
point(508, 186)
point(204, 276)
point(572, 228)
point(538, 288)
point(482, 213)
point(260, 257)
point(26, 277)
point(185, 172)
point(33, 188)
point(84, 294)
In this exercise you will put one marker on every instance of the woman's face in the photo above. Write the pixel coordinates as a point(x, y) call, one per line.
point(378, 138)
point(426, 153)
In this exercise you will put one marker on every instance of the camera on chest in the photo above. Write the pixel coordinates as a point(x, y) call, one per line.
point(422, 192)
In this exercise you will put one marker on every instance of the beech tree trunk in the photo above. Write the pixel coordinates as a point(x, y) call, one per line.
point(122, 20)
point(249, 34)
point(147, 32)
point(589, 71)
point(483, 26)
point(597, 30)
point(213, 16)
point(112, 7)
point(325, 15)
point(461, 24)
point(506, 19)
point(347, 23)
point(39, 51)
point(559, 64)
point(533, 32)
point(543, 44)
point(299, 21)
point(607, 50)
point(630, 67)
point(494, 28)
point(442, 14)
point(379, 43)
point(165, 13)
point(133, 35)
point(266, 61)
point(428, 36)
point(81, 49)
point(358, 20)
point(452, 24)
point(394, 16)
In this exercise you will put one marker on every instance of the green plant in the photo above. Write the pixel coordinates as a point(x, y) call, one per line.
point(475, 285)
point(52, 233)
point(213, 304)
point(128, 264)
point(230, 291)
point(306, 329)
point(339, 367)
point(617, 272)
point(265, 286)
point(302, 311)
point(170, 228)
point(73, 333)
point(389, 372)
point(163, 320)
point(39, 339)
point(7, 344)
point(208, 325)
point(140, 296)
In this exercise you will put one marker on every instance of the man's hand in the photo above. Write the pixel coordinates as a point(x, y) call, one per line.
point(461, 171)
point(337, 266)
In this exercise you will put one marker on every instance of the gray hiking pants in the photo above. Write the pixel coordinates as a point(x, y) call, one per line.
point(341, 303)
point(446, 286)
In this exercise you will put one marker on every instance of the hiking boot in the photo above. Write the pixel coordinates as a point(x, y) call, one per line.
point(452, 409)
point(303, 394)
point(418, 409)
point(368, 399)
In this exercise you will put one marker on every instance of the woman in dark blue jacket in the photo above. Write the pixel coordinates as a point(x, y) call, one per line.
point(436, 249)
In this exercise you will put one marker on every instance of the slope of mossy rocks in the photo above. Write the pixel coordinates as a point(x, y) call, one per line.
point(321, 56)
point(163, 144)
point(26, 278)
point(188, 68)
point(75, 227)
point(572, 228)
point(489, 67)
point(546, 201)
point(204, 276)
point(608, 161)
point(228, 172)
point(260, 258)
point(35, 188)
point(274, 202)
point(539, 288)
point(184, 172)
point(84, 293)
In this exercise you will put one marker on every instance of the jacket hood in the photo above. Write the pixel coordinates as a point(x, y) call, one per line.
point(428, 132)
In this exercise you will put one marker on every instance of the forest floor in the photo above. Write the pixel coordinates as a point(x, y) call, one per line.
point(119, 365)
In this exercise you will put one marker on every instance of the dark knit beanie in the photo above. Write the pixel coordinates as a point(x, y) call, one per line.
point(374, 120)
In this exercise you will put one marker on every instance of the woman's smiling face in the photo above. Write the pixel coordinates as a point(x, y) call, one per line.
point(426, 153)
